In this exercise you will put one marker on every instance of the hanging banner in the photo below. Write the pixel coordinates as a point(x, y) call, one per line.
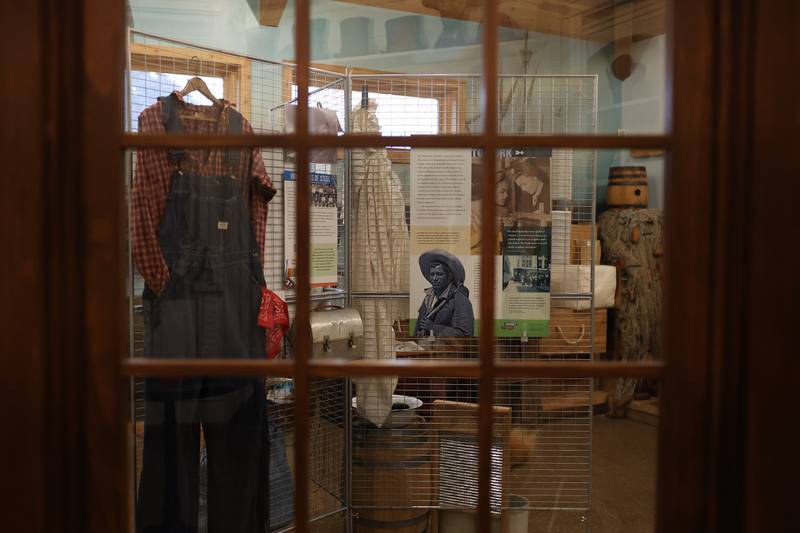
point(442, 280)
point(525, 216)
point(324, 228)
point(445, 242)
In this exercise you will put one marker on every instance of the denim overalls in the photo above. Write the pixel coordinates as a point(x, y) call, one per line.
point(207, 310)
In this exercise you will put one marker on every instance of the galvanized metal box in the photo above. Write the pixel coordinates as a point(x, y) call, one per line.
point(337, 333)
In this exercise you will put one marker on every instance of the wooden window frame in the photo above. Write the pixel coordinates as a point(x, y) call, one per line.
point(69, 386)
point(302, 368)
point(451, 95)
point(236, 79)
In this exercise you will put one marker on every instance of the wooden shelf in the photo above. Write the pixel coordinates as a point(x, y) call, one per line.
point(576, 400)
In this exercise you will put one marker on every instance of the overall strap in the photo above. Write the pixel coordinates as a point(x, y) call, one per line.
point(172, 124)
point(233, 156)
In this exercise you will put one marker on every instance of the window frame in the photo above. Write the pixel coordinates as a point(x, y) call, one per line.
point(236, 81)
point(302, 368)
point(452, 97)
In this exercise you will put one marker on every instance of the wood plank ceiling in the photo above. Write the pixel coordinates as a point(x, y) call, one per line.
point(593, 20)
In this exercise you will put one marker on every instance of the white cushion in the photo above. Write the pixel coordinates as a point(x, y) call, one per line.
point(577, 279)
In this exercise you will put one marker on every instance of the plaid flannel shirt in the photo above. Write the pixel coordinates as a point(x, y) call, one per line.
point(151, 184)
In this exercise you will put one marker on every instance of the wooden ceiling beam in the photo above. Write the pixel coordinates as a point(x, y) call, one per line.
point(270, 12)
point(593, 20)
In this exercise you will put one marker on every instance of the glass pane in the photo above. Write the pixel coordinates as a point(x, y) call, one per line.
point(625, 458)
point(550, 104)
point(223, 461)
point(404, 105)
point(621, 46)
point(576, 463)
point(394, 448)
point(200, 251)
point(593, 258)
point(258, 28)
point(160, 66)
point(329, 418)
point(366, 243)
point(548, 438)
point(421, 104)
point(392, 36)
point(202, 455)
point(395, 57)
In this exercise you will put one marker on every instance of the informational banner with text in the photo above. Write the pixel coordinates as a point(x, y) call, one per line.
point(446, 222)
point(324, 228)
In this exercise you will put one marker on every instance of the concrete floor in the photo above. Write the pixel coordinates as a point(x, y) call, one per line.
point(623, 483)
point(624, 476)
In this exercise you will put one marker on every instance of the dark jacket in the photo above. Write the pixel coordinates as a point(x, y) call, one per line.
point(454, 319)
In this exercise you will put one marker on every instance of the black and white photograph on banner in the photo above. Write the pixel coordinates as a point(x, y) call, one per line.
point(324, 229)
point(528, 172)
point(323, 195)
point(446, 309)
point(501, 195)
point(528, 273)
point(526, 241)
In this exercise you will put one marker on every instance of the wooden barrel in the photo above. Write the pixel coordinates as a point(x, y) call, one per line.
point(392, 472)
point(627, 187)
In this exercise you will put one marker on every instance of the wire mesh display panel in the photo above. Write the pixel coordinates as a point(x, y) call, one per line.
point(551, 441)
point(541, 456)
point(258, 90)
point(326, 453)
point(423, 456)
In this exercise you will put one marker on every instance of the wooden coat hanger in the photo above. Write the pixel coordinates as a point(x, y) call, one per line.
point(196, 83)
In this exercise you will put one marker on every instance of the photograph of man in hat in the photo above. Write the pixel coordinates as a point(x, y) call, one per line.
point(446, 310)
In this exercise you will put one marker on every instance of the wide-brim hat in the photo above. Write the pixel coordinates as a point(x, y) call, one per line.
point(444, 257)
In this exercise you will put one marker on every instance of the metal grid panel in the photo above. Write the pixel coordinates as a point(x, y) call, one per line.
point(551, 441)
point(547, 104)
point(542, 453)
point(327, 92)
point(257, 89)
